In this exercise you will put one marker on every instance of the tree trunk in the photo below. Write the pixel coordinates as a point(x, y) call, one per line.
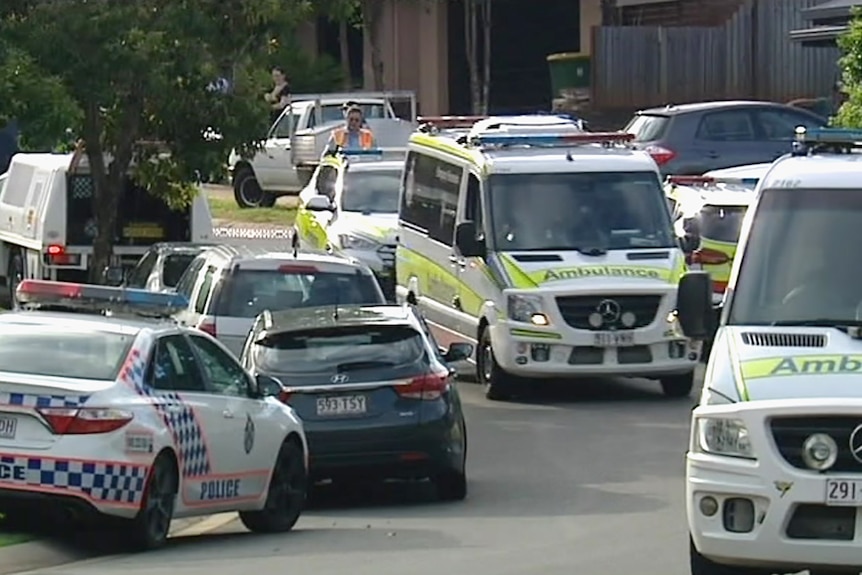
point(108, 180)
point(372, 11)
point(470, 41)
point(344, 52)
point(486, 55)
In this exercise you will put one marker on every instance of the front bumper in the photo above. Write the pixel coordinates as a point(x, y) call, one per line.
point(568, 347)
point(793, 527)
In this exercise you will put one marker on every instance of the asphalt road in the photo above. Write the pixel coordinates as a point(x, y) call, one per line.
point(585, 478)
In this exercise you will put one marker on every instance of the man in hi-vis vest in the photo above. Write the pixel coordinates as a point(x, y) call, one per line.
point(353, 136)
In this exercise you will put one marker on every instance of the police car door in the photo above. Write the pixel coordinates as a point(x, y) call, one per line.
point(251, 435)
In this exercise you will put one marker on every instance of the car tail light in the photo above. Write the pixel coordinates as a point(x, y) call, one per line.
point(660, 155)
point(425, 387)
point(208, 327)
point(284, 396)
point(709, 257)
point(71, 421)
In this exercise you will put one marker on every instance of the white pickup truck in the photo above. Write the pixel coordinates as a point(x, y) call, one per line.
point(298, 137)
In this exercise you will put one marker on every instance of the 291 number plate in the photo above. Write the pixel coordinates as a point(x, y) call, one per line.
point(844, 492)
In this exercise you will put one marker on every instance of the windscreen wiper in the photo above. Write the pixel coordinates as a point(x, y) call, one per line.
point(587, 251)
point(852, 327)
point(359, 365)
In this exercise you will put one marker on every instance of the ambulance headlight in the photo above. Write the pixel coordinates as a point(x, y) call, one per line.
point(352, 242)
point(527, 308)
point(723, 436)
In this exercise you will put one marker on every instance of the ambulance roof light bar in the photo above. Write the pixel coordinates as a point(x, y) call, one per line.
point(825, 139)
point(436, 124)
point(97, 299)
point(709, 180)
point(552, 140)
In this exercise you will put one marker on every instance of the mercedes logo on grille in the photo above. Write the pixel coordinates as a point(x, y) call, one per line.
point(339, 378)
point(856, 443)
point(609, 310)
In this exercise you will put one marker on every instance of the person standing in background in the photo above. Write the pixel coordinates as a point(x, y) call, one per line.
point(278, 97)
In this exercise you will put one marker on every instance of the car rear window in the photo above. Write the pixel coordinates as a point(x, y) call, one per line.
point(174, 267)
point(647, 127)
point(373, 350)
point(721, 223)
point(247, 293)
point(76, 354)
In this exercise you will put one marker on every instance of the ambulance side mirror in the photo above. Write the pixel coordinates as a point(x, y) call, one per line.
point(694, 305)
point(467, 241)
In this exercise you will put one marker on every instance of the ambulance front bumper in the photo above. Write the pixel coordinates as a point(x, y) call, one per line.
point(575, 343)
point(770, 510)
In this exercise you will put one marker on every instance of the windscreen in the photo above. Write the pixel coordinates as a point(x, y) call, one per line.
point(249, 292)
point(174, 267)
point(371, 192)
point(721, 223)
point(359, 352)
point(801, 261)
point(647, 128)
point(563, 211)
point(335, 112)
point(72, 353)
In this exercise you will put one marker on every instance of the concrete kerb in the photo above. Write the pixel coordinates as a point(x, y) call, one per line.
point(45, 553)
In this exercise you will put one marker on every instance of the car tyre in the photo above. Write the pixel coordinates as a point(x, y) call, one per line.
point(247, 191)
point(150, 528)
point(700, 565)
point(499, 384)
point(451, 485)
point(287, 494)
point(677, 385)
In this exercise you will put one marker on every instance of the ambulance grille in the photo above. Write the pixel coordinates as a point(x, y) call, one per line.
point(784, 339)
point(576, 310)
point(790, 433)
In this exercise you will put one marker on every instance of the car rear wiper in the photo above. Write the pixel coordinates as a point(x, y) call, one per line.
point(358, 365)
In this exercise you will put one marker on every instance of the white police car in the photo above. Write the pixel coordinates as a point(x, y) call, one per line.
point(138, 419)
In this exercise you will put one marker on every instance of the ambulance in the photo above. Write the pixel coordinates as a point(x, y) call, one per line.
point(549, 247)
point(774, 465)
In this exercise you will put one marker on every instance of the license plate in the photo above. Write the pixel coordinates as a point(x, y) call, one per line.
point(844, 492)
point(613, 338)
point(8, 426)
point(341, 405)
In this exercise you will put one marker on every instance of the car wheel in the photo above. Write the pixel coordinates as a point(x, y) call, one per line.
point(677, 385)
point(149, 529)
point(700, 565)
point(247, 191)
point(287, 493)
point(451, 485)
point(499, 385)
point(14, 276)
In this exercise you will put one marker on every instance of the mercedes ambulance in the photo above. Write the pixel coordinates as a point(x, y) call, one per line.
point(548, 246)
point(774, 466)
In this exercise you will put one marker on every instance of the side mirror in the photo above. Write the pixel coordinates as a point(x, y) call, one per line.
point(268, 386)
point(688, 244)
point(458, 352)
point(319, 204)
point(694, 305)
point(114, 275)
point(467, 242)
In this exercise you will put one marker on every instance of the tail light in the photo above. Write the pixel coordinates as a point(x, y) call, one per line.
point(66, 421)
point(709, 257)
point(284, 396)
point(660, 155)
point(425, 387)
point(208, 327)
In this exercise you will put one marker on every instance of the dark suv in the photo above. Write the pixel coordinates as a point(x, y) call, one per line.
point(690, 139)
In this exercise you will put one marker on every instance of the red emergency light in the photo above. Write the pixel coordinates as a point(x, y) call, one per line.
point(450, 122)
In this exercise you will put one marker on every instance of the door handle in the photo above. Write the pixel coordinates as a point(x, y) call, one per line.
point(712, 154)
point(228, 414)
point(453, 258)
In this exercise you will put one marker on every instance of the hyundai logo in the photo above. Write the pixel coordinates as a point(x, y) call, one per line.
point(339, 378)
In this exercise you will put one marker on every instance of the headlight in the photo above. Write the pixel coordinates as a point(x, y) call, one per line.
point(350, 242)
point(527, 308)
point(723, 436)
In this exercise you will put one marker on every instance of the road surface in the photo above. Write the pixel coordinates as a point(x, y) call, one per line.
point(584, 479)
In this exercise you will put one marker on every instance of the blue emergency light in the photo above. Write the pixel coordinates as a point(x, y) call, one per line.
point(829, 136)
point(710, 180)
point(362, 153)
point(552, 140)
point(96, 298)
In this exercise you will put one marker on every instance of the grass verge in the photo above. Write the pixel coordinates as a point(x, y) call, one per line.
point(7, 539)
point(226, 209)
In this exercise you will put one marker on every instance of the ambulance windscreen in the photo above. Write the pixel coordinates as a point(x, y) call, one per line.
point(565, 211)
point(371, 191)
point(800, 262)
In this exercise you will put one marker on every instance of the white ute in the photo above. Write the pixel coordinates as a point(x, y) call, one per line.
point(774, 467)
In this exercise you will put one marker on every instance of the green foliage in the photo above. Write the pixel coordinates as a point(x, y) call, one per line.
point(306, 75)
point(850, 114)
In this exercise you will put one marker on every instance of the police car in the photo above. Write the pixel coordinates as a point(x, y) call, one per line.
point(138, 420)
point(351, 206)
point(774, 467)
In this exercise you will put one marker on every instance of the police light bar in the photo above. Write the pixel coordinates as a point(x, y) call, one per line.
point(449, 122)
point(375, 153)
point(846, 136)
point(709, 180)
point(553, 139)
point(96, 298)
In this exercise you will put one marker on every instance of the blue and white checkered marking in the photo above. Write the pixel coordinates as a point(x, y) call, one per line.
point(98, 480)
point(177, 415)
point(37, 401)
